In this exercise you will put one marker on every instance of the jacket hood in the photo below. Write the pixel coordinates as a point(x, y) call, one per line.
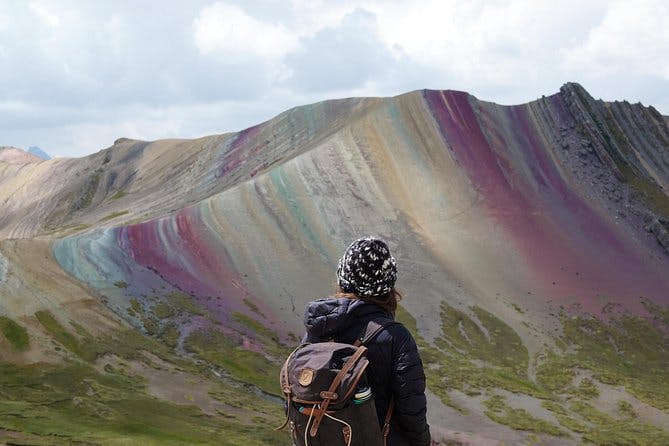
point(323, 318)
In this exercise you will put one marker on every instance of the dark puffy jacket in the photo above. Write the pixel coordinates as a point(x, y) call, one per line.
point(395, 368)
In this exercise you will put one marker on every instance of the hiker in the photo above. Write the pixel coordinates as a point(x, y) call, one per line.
point(366, 276)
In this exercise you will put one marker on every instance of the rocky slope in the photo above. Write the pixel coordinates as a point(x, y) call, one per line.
point(512, 225)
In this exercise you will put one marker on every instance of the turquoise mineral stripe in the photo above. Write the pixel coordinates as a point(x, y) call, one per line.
point(399, 124)
point(281, 183)
point(94, 258)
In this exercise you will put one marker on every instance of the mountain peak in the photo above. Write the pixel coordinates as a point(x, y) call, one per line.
point(39, 152)
point(574, 88)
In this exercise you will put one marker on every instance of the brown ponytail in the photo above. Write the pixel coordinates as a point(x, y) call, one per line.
point(387, 301)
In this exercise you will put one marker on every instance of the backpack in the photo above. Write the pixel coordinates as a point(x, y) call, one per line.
point(328, 399)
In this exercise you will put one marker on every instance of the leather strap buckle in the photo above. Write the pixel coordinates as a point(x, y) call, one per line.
point(326, 395)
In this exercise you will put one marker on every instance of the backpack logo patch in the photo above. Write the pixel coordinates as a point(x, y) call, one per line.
point(306, 377)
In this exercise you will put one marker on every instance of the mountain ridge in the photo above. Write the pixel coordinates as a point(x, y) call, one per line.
point(294, 110)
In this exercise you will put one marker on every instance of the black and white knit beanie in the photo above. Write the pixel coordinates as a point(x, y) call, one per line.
point(367, 268)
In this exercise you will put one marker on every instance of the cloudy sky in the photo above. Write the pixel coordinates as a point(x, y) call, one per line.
point(77, 74)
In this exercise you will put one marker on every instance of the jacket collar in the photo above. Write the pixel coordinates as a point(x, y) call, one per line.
point(323, 318)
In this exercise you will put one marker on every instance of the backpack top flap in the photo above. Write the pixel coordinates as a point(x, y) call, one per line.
point(312, 368)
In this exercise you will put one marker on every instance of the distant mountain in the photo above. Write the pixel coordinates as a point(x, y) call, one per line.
point(39, 152)
point(13, 155)
point(532, 245)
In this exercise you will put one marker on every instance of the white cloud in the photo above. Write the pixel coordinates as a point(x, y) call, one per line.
point(78, 74)
point(487, 45)
point(340, 58)
point(43, 13)
point(311, 16)
point(228, 28)
point(633, 38)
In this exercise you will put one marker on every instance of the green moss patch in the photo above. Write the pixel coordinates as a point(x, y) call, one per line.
point(15, 334)
point(487, 344)
point(64, 337)
point(227, 351)
point(519, 419)
point(79, 329)
point(256, 327)
point(626, 410)
point(163, 311)
point(472, 355)
point(565, 418)
point(75, 404)
point(652, 194)
point(608, 430)
point(587, 389)
point(554, 372)
point(628, 351)
point(127, 344)
point(151, 325)
point(118, 195)
point(113, 215)
point(183, 302)
point(253, 307)
point(170, 335)
point(477, 353)
point(243, 365)
point(490, 340)
point(659, 315)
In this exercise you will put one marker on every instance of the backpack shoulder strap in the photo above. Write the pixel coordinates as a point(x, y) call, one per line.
point(373, 328)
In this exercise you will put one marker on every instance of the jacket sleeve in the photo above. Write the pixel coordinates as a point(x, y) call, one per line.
point(408, 384)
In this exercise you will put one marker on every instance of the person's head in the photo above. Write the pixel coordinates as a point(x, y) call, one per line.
point(368, 271)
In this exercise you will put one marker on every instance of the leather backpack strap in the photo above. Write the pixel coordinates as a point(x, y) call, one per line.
point(285, 387)
point(386, 423)
point(331, 394)
point(372, 329)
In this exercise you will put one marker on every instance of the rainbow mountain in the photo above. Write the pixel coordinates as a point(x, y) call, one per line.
point(150, 291)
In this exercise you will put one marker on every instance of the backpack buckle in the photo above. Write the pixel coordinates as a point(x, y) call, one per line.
point(329, 395)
